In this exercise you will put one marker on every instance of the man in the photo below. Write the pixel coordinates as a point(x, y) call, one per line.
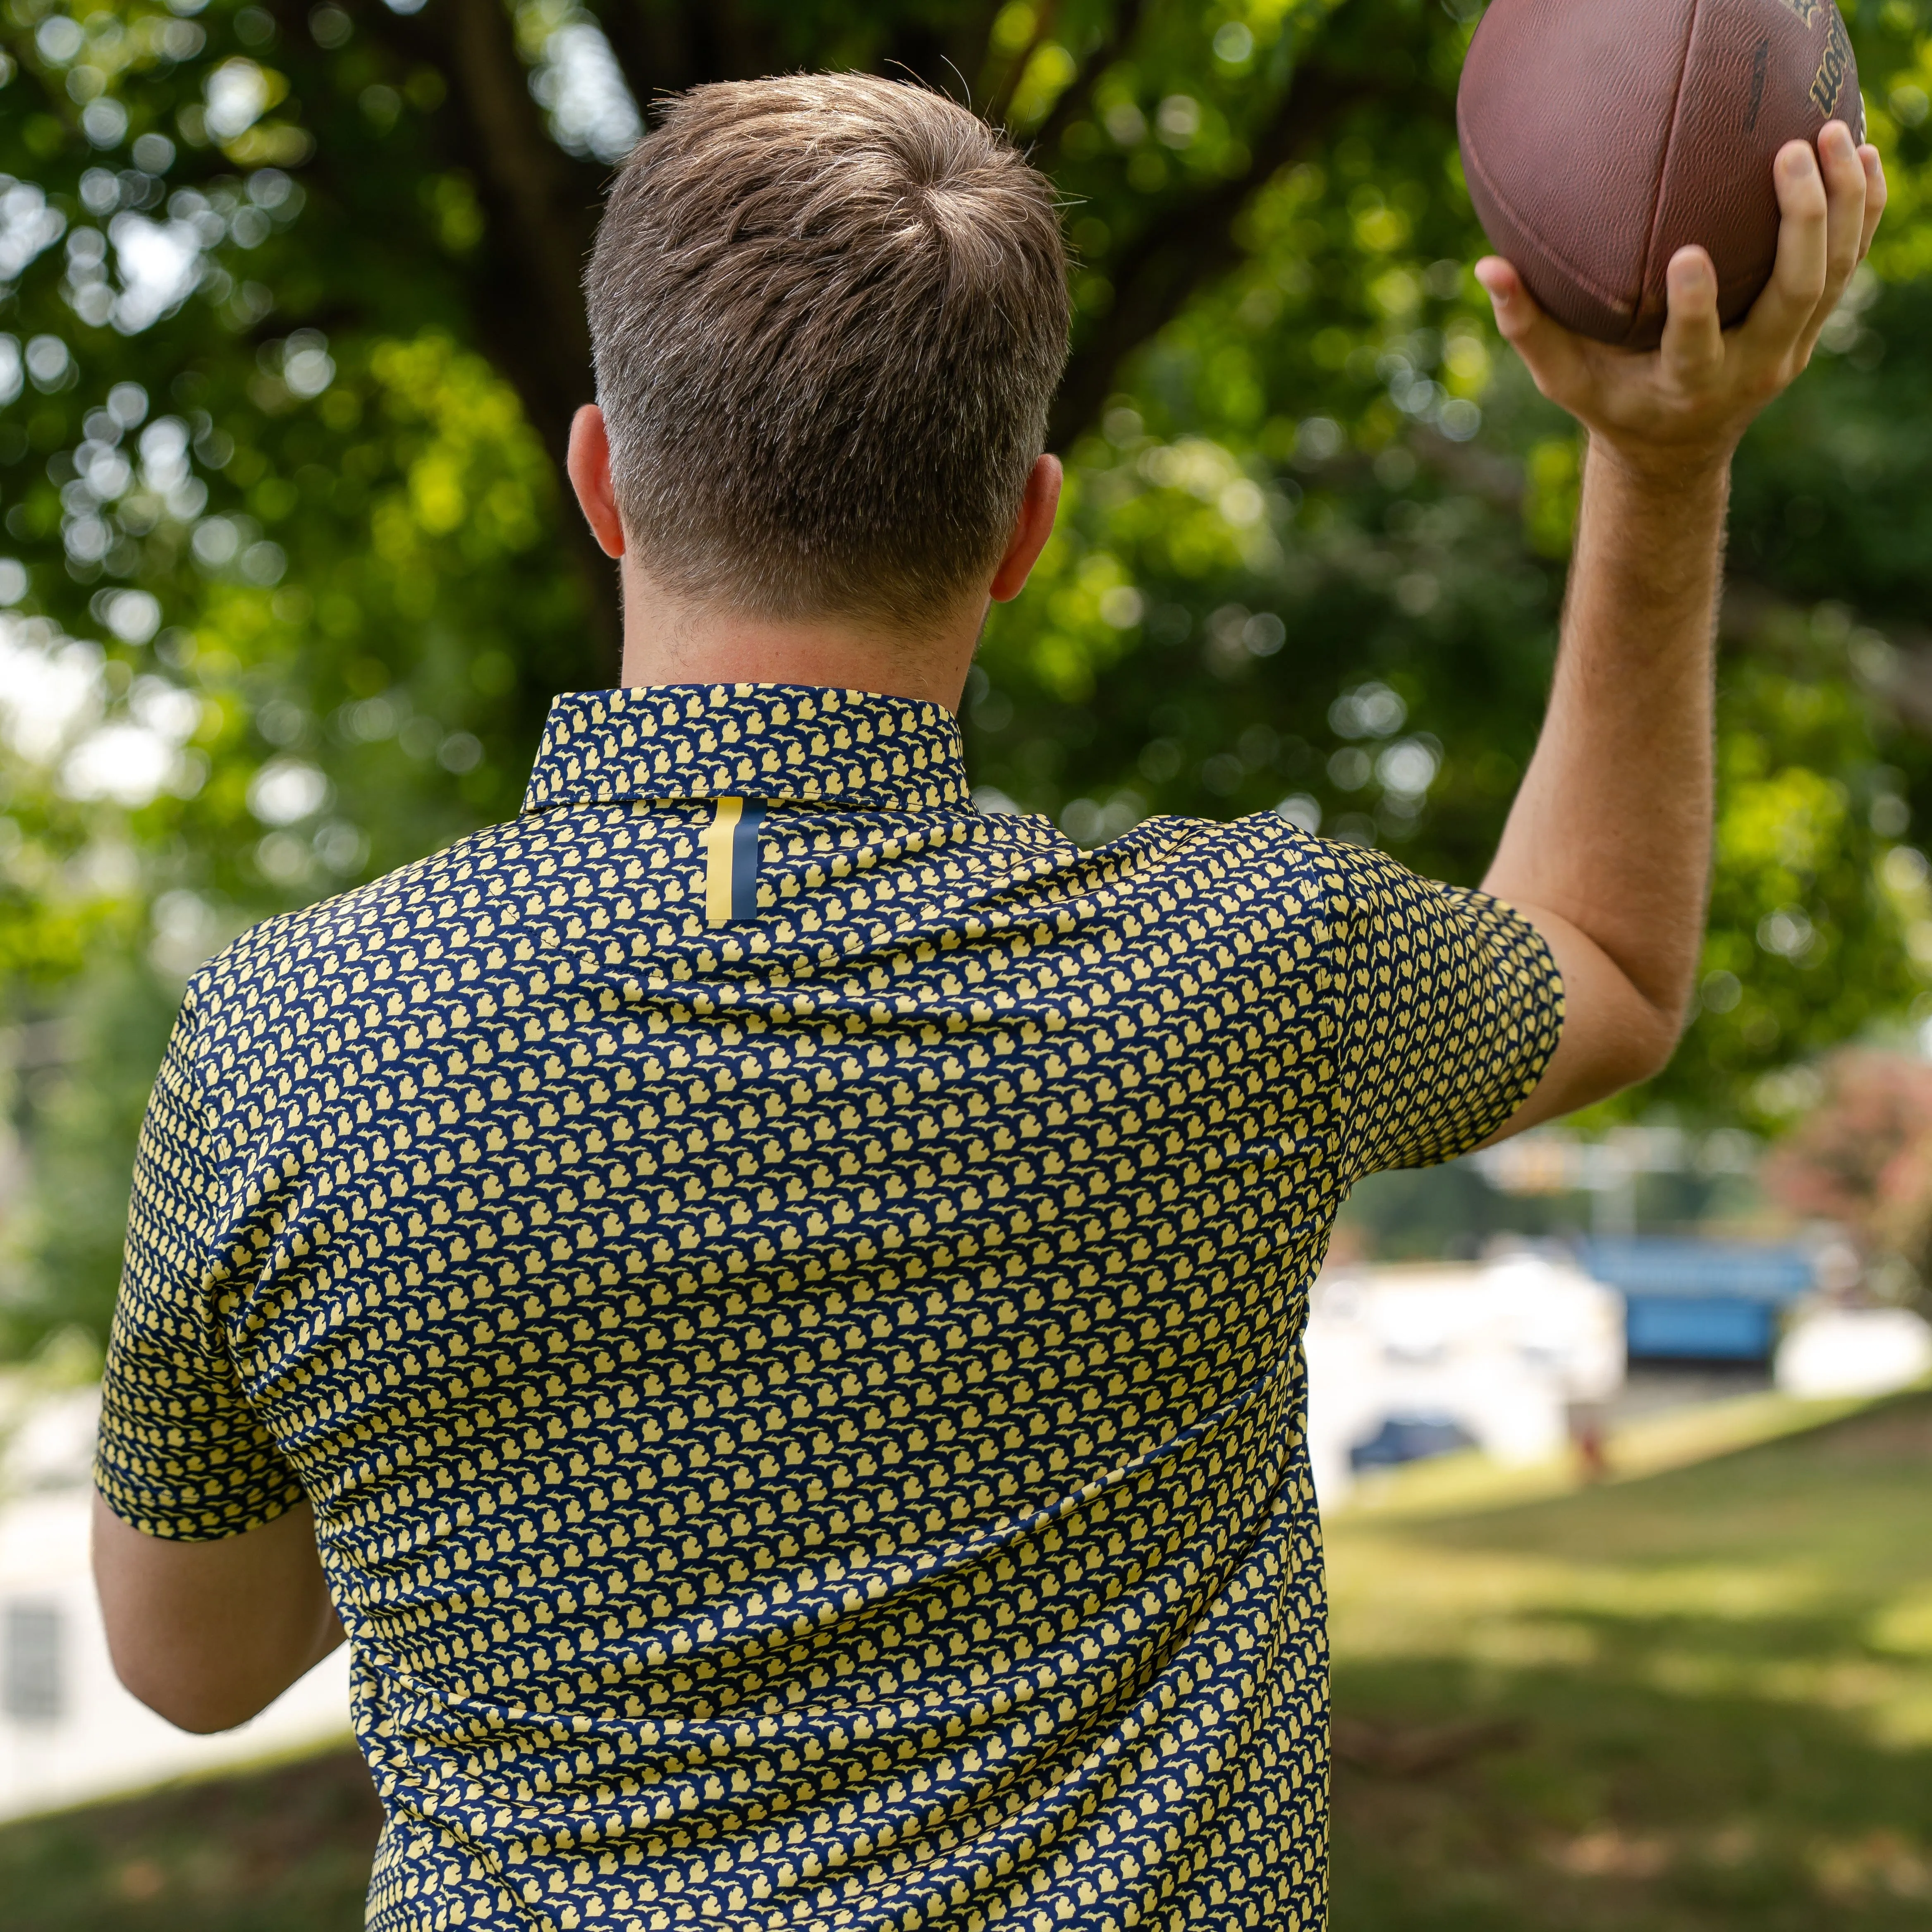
point(779, 1296)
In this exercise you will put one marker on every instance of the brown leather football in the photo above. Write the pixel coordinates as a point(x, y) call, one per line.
point(1600, 137)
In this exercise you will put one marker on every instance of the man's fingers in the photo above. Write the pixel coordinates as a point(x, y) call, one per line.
point(1780, 315)
point(1693, 399)
point(1844, 175)
point(1876, 193)
point(1693, 341)
point(1552, 356)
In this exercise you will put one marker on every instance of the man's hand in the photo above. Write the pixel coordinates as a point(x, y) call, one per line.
point(1607, 849)
point(1686, 403)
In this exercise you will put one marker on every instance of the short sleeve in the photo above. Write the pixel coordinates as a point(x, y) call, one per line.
point(181, 1455)
point(1453, 1004)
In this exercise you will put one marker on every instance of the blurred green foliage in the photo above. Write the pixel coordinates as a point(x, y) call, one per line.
point(290, 333)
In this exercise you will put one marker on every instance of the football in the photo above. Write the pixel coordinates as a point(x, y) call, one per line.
point(1600, 137)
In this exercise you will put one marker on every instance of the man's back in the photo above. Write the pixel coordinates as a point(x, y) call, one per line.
point(784, 1295)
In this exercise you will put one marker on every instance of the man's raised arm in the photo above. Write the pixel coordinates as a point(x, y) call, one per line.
point(1607, 847)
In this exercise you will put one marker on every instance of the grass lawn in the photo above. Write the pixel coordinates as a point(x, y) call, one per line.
point(285, 1849)
point(1698, 1699)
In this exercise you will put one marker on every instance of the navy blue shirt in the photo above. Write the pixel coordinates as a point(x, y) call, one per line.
point(784, 1294)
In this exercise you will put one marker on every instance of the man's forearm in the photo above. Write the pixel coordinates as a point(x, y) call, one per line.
point(1612, 828)
point(1607, 849)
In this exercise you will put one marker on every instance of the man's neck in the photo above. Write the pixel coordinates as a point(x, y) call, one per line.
point(667, 641)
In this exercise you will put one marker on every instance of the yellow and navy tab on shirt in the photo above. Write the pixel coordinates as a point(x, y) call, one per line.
point(791, 1330)
point(731, 861)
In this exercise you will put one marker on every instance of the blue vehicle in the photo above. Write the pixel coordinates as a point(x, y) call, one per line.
point(1694, 1300)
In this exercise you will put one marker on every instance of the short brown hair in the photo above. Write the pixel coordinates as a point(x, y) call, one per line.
point(829, 312)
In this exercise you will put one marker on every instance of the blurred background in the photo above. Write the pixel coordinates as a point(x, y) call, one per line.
point(1617, 1429)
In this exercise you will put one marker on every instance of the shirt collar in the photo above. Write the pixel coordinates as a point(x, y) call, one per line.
point(774, 742)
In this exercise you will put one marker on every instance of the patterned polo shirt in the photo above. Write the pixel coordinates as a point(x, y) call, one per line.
point(785, 1294)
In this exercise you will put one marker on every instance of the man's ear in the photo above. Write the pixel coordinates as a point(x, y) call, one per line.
point(589, 463)
point(1031, 528)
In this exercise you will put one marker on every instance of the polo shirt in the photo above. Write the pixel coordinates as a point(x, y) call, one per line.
point(785, 1294)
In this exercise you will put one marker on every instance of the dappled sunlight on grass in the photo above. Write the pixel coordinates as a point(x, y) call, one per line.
point(1706, 1692)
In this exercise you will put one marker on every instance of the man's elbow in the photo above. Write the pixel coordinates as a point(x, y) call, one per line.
point(1637, 1062)
point(1637, 1049)
point(208, 1634)
point(188, 1698)
point(203, 1716)
point(1656, 1035)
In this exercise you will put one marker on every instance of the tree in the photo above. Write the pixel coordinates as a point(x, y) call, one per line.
point(1861, 1156)
point(292, 338)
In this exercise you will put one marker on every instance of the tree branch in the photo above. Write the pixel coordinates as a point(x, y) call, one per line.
point(663, 47)
point(652, 49)
point(1078, 92)
point(541, 199)
point(969, 44)
point(540, 208)
point(1000, 97)
point(1190, 242)
point(726, 43)
point(1751, 616)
